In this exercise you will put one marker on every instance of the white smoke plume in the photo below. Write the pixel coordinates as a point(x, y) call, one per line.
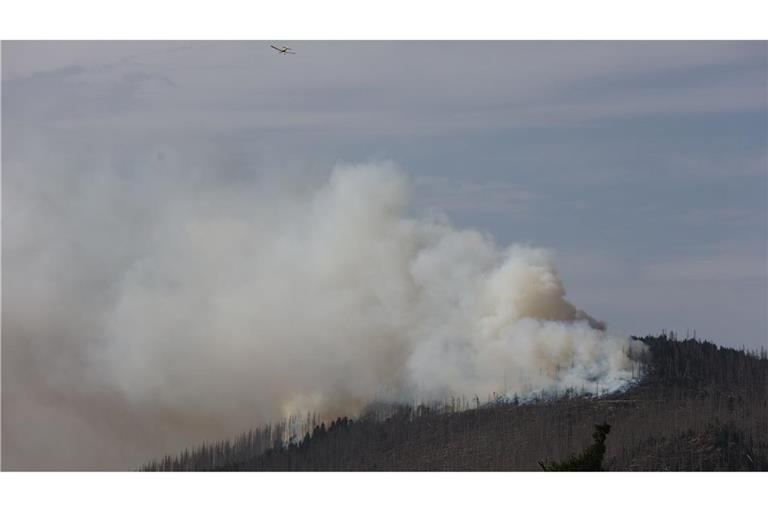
point(238, 307)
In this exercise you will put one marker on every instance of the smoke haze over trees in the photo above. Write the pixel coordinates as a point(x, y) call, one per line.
point(272, 301)
point(186, 254)
point(699, 407)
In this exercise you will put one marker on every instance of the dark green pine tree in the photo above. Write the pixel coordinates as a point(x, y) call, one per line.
point(591, 459)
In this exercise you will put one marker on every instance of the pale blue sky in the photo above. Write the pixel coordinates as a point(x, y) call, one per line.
point(642, 165)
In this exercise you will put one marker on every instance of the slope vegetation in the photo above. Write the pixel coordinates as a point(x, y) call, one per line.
point(699, 407)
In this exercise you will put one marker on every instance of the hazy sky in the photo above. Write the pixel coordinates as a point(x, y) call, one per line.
point(643, 165)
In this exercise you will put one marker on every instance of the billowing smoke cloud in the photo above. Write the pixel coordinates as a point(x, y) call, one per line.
point(230, 307)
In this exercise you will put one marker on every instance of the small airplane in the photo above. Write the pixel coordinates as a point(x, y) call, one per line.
point(283, 49)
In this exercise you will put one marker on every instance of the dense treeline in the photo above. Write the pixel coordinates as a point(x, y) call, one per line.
point(223, 453)
point(227, 453)
point(698, 407)
point(698, 364)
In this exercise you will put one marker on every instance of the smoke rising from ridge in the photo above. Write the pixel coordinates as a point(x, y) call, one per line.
point(220, 310)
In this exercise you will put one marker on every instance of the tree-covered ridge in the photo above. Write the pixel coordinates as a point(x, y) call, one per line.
point(699, 364)
point(698, 407)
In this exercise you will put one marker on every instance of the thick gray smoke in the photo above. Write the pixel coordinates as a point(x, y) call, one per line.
point(221, 309)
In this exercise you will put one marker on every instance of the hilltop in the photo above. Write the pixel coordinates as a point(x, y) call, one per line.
point(698, 407)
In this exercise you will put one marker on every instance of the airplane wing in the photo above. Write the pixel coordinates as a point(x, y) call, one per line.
point(275, 47)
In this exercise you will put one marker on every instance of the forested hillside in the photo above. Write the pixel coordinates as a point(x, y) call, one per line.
point(698, 407)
